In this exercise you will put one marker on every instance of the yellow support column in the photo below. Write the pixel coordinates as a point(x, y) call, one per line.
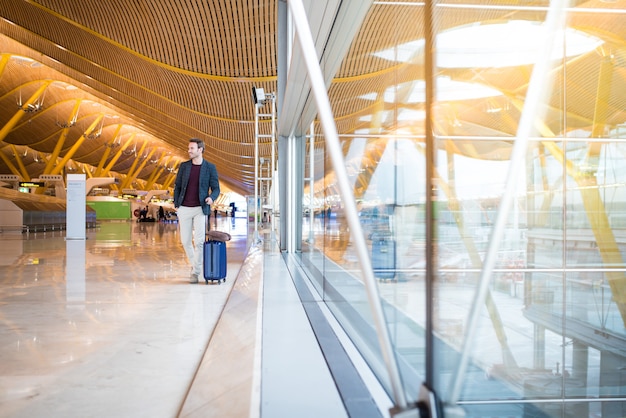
point(117, 155)
point(61, 141)
point(128, 178)
point(171, 176)
point(18, 115)
point(156, 173)
point(107, 151)
point(600, 110)
point(449, 189)
point(599, 222)
point(4, 60)
point(76, 146)
point(9, 164)
point(20, 164)
point(87, 171)
point(133, 176)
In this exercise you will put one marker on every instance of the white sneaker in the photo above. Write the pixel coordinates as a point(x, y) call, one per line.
point(193, 278)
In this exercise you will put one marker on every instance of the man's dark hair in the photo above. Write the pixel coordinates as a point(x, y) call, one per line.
point(199, 142)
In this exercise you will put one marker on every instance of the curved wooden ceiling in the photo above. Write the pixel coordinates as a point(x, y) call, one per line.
point(165, 70)
point(145, 76)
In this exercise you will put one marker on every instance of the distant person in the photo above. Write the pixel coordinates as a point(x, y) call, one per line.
point(143, 214)
point(161, 213)
point(195, 189)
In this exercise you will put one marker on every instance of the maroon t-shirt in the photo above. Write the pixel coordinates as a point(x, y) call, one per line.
point(193, 187)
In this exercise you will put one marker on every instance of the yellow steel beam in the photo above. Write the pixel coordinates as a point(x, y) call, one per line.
point(9, 164)
point(4, 60)
point(368, 164)
point(541, 219)
point(127, 180)
point(107, 151)
point(455, 208)
point(76, 146)
point(607, 245)
point(87, 171)
point(133, 176)
point(601, 109)
point(156, 170)
point(61, 141)
point(18, 115)
point(157, 173)
point(171, 176)
point(117, 155)
point(374, 149)
point(449, 189)
point(20, 164)
point(599, 221)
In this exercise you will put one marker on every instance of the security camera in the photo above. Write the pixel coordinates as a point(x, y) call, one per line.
point(258, 95)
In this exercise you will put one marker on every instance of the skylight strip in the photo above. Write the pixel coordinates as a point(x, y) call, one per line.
point(501, 7)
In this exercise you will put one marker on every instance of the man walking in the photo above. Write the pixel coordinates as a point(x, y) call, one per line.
point(195, 190)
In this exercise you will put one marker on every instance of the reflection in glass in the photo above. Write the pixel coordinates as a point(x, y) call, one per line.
point(552, 335)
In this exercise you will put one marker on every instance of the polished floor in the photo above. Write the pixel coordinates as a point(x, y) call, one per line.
point(108, 326)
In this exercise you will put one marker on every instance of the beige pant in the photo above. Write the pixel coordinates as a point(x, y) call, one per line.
point(192, 227)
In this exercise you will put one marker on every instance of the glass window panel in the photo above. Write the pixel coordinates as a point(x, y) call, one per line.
point(550, 339)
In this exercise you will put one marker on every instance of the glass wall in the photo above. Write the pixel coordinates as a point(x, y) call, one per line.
point(550, 334)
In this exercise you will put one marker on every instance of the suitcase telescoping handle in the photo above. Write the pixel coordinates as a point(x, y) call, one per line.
point(207, 227)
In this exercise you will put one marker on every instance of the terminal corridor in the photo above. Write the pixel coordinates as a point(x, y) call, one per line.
point(122, 336)
point(111, 326)
point(426, 202)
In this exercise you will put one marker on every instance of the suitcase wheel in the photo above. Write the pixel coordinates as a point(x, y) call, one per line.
point(219, 281)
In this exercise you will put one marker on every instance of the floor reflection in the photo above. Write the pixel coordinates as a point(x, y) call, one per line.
point(107, 326)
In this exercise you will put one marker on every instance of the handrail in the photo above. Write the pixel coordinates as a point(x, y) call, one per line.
point(303, 33)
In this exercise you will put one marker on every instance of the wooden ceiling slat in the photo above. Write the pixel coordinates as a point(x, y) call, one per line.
point(218, 55)
point(182, 68)
point(267, 39)
point(227, 40)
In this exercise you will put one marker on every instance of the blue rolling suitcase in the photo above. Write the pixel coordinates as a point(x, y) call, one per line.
point(383, 257)
point(214, 261)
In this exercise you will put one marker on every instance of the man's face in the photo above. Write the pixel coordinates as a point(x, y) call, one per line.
point(193, 150)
